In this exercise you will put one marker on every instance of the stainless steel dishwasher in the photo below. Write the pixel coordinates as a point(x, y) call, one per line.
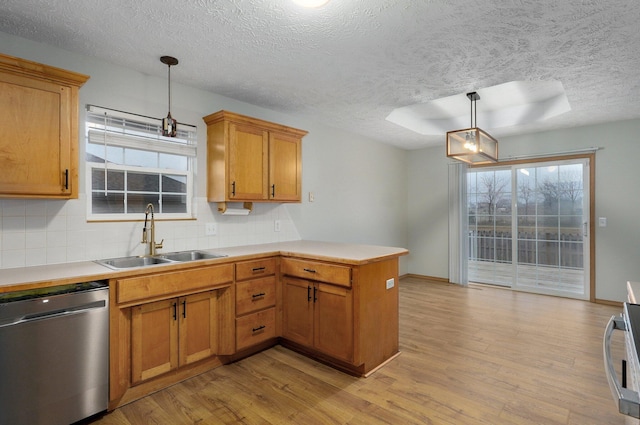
point(54, 354)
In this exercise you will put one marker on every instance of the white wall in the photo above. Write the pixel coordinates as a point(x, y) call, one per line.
point(617, 197)
point(356, 201)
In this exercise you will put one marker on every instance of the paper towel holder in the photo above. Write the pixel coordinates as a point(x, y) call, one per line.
point(222, 207)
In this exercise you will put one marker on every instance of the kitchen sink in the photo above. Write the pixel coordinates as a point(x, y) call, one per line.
point(189, 256)
point(144, 261)
point(128, 262)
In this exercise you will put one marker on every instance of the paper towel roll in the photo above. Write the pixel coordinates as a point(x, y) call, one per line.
point(236, 211)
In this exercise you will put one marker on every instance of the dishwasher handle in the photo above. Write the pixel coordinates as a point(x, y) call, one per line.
point(56, 313)
point(628, 401)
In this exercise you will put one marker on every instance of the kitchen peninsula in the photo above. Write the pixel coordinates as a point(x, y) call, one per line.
point(337, 303)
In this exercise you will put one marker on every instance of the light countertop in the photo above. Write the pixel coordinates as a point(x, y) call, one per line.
point(633, 292)
point(60, 274)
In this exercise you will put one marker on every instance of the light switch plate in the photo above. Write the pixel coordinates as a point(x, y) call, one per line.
point(391, 283)
point(602, 221)
point(276, 225)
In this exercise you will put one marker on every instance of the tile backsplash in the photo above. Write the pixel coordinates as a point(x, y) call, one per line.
point(37, 232)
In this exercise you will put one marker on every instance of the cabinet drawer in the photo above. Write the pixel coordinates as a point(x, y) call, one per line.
point(313, 270)
point(255, 268)
point(164, 284)
point(255, 328)
point(256, 294)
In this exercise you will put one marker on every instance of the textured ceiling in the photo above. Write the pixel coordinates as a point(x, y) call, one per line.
point(352, 62)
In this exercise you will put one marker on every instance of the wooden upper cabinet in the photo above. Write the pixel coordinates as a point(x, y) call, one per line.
point(248, 162)
point(39, 137)
point(285, 168)
point(252, 160)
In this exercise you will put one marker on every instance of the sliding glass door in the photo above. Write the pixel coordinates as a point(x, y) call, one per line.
point(528, 227)
point(489, 200)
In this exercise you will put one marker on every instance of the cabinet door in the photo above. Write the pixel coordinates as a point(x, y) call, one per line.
point(333, 321)
point(285, 167)
point(248, 163)
point(297, 323)
point(154, 339)
point(198, 327)
point(36, 137)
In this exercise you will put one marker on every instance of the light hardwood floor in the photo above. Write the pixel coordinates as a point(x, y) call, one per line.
point(477, 355)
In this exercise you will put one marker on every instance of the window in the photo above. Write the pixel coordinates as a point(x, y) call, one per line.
point(130, 164)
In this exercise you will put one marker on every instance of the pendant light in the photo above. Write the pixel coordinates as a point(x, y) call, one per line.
point(472, 145)
point(169, 124)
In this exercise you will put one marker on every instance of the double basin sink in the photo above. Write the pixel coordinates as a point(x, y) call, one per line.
point(165, 258)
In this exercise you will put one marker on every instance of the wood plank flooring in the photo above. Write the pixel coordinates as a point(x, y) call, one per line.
point(477, 355)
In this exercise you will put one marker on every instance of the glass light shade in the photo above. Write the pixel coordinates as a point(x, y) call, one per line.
point(169, 126)
point(472, 145)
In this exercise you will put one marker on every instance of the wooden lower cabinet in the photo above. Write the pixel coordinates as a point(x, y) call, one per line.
point(297, 323)
point(172, 333)
point(256, 301)
point(319, 316)
point(255, 328)
point(346, 316)
point(154, 340)
point(166, 327)
point(333, 321)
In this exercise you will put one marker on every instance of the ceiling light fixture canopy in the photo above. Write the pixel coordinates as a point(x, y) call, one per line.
point(311, 3)
point(169, 124)
point(472, 145)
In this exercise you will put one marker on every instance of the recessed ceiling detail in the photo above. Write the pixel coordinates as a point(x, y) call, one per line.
point(504, 105)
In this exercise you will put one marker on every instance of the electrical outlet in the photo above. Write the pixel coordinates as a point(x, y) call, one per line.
point(276, 226)
point(391, 283)
point(602, 221)
point(210, 229)
point(311, 197)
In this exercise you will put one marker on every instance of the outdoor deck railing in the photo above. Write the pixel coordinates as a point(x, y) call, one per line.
point(563, 249)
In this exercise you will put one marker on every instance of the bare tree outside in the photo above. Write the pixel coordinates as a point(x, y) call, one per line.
point(493, 190)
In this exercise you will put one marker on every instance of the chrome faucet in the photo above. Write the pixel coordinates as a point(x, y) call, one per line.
point(153, 246)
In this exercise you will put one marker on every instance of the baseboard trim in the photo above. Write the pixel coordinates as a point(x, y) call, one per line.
point(609, 302)
point(431, 279)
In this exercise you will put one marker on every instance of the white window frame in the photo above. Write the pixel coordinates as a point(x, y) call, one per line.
point(147, 139)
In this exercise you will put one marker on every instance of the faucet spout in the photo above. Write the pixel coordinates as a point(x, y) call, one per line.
point(151, 240)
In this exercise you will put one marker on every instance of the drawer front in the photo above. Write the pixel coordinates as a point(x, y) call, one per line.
point(313, 270)
point(166, 284)
point(256, 268)
point(255, 328)
point(256, 294)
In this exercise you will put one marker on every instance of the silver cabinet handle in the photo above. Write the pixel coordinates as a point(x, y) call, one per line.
point(628, 401)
